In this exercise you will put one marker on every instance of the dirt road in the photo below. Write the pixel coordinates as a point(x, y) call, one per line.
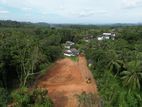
point(65, 80)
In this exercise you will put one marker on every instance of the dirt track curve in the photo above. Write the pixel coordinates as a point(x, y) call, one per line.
point(66, 79)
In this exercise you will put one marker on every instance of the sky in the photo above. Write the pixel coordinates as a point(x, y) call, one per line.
point(72, 11)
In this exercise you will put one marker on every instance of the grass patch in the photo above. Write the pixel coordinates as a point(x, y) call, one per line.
point(73, 58)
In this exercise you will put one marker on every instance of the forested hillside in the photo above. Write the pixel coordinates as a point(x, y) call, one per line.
point(27, 50)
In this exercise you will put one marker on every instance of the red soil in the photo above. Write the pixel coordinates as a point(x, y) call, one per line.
point(65, 80)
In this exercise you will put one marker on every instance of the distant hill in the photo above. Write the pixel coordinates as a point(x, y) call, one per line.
point(10, 23)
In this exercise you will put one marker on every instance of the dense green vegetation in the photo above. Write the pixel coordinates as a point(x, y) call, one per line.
point(118, 68)
point(35, 98)
point(26, 50)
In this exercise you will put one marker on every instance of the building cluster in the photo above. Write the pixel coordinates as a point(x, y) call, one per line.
point(106, 36)
point(69, 45)
point(103, 36)
point(69, 50)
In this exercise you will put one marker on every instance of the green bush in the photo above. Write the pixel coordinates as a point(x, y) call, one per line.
point(88, 100)
point(31, 98)
point(41, 99)
point(3, 97)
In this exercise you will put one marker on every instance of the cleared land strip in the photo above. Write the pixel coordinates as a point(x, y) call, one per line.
point(65, 80)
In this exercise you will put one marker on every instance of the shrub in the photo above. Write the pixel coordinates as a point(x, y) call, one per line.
point(31, 98)
point(88, 100)
point(41, 99)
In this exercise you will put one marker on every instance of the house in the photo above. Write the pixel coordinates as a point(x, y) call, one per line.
point(71, 52)
point(106, 36)
point(68, 53)
point(68, 44)
point(75, 52)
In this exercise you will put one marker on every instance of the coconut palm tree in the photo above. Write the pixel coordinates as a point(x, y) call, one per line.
point(133, 75)
point(114, 63)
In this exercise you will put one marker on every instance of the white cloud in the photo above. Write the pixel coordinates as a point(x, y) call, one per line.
point(102, 12)
point(4, 11)
point(86, 14)
point(85, 10)
point(132, 3)
point(26, 8)
point(61, 7)
point(66, 8)
point(44, 13)
point(3, 1)
point(91, 13)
